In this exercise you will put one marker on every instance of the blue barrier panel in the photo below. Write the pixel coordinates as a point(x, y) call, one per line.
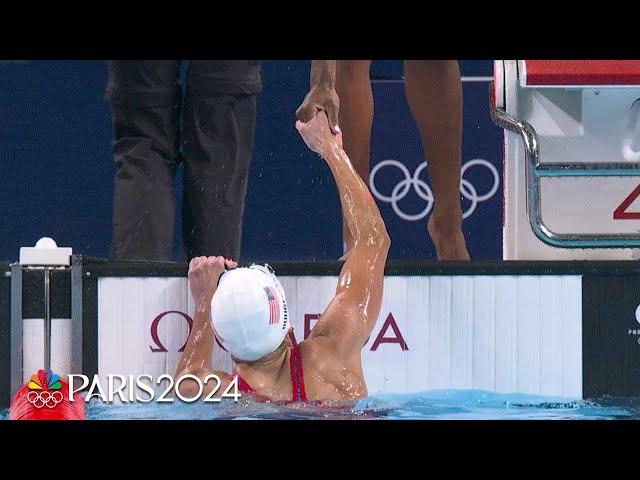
point(56, 172)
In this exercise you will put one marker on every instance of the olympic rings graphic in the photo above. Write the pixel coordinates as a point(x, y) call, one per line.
point(44, 399)
point(422, 189)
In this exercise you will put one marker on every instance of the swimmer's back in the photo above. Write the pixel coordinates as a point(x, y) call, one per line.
point(328, 375)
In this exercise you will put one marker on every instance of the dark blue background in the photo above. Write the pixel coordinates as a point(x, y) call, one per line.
point(56, 174)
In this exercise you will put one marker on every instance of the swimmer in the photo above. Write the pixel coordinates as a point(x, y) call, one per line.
point(245, 308)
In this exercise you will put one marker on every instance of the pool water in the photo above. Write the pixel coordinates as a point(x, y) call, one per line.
point(429, 405)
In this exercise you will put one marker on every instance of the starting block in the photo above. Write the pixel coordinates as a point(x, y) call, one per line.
point(571, 170)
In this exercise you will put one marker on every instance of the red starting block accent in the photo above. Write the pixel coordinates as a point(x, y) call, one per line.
point(621, 212)
point(577, 73)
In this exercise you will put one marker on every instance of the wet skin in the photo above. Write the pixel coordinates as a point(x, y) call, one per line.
point(331, 356)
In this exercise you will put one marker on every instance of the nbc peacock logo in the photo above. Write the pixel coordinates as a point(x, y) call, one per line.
point(44, 389)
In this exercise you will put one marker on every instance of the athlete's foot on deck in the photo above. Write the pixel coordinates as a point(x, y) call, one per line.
point(448, 238)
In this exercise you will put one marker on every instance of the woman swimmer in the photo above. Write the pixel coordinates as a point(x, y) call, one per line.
point(248, 311)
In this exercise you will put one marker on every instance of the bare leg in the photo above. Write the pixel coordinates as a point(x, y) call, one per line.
point(434, 93)
point(356, 119)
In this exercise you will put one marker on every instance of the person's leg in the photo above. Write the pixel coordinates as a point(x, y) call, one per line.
point(356, 119)
point(144, 99)
point(434, 93)
point(218, 128)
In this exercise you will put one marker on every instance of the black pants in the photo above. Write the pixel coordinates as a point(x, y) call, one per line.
point(216, 135)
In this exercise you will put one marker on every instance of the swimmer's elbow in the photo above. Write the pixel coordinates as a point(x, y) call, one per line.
point(386, 239)
point(380, 232)
point(381, 239)
point(375, 237)
point(375, 243)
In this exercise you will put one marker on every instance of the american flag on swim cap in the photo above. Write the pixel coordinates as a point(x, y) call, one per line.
point(274, 305)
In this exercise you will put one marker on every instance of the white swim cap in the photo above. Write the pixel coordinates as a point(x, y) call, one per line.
point(249, 312)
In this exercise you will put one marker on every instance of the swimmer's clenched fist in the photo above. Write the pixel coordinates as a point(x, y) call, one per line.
point(317, 134)
point(204, 273)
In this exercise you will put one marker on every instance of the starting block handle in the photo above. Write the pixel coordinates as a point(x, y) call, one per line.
point(628, 153)
point(19, 295)
point(535, 170)
point(47, 319)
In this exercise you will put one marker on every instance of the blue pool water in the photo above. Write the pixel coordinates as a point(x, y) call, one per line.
point(430, 405)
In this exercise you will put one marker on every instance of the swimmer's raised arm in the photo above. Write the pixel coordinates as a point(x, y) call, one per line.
point(322, 94)
point(196, 358)
point(352, 314)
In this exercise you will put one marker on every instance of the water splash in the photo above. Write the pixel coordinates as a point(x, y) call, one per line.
point(433, 404)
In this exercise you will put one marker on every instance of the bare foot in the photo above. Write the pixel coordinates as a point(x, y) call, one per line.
point(448, 239)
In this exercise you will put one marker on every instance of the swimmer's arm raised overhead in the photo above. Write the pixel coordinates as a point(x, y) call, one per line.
point(196, 358)
point(322, 94)
point(350, 317)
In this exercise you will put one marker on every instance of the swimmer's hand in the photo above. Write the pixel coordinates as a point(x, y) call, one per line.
point(317, 134)
point(204, 273)
point(321, 98)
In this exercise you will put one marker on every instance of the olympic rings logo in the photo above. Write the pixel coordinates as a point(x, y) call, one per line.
point(44, 399)
point(401, 190)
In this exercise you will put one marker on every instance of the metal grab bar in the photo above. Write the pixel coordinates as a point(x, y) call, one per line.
point(536, 170)
point(628, 153)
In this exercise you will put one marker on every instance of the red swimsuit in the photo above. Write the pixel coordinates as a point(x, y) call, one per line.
point(297, 379)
